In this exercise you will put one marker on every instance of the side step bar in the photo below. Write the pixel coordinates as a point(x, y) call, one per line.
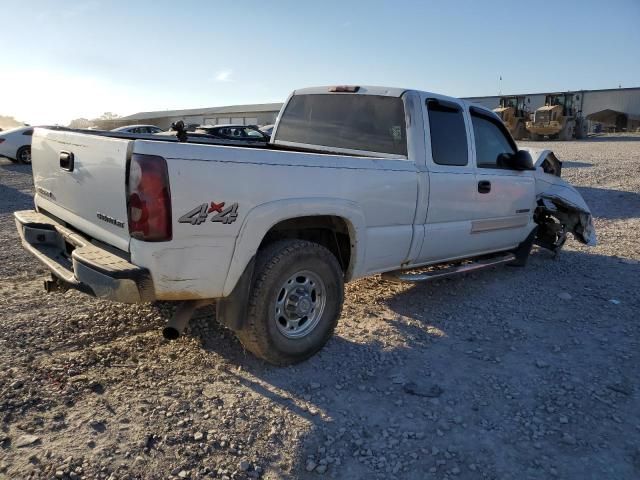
point(400, 276)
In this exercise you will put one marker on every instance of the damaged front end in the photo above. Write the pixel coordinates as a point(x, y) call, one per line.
point(560, 207)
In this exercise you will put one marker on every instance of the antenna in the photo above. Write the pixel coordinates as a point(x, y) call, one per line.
point(500, 85)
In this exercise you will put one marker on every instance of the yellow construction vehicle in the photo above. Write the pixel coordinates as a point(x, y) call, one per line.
point(514, 113)
point(559, 118)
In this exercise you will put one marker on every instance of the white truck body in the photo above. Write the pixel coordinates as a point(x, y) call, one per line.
point(401, 210)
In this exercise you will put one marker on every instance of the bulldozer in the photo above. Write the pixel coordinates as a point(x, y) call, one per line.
point(559, 118)
point(514, 113)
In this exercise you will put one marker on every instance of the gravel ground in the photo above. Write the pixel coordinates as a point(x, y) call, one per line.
point(506, 374)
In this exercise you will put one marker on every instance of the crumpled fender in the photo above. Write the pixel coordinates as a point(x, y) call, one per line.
point(537, 155)
point(558, 196)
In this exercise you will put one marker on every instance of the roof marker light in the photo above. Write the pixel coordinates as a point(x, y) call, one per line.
point(344, 89)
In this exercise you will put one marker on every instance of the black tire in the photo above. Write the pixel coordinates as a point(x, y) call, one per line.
point(581, 129)
point(524, 250)
point(276, 265)
point(565, 133)
point(24, 155)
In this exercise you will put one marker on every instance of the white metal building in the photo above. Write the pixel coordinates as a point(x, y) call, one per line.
point(256, 114)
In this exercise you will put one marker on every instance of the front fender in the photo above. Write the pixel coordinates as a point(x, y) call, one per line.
point(564, 196)
point(263, 217)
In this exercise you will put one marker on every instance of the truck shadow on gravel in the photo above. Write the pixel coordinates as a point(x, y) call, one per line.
point(449, 376)
point(576, 164)
point(8, 165)
point(611, 204)
point(15, 200)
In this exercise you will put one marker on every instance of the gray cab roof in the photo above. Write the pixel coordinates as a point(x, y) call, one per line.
point(386, 92)
point(362, 90)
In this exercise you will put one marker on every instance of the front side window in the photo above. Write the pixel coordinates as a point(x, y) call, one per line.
point(491, 141)
point(28, 132)
point(369, 123)
point(448, 133)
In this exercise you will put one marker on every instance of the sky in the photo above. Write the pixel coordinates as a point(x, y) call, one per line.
point(63, 59)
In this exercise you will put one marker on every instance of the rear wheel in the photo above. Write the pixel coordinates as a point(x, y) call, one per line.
point(581, 129)
point(24, 155)
point(295, 301)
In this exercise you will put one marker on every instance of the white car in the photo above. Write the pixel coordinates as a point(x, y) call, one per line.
point(355, 181)
point(15, 144)
point(138, 129)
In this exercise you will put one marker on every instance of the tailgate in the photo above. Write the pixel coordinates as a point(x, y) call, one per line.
point(80, 178)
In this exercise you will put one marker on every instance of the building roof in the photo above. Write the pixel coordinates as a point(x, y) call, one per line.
point(257, 107)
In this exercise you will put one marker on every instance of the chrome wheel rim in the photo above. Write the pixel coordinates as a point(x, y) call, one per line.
point(25, 156)
point(299, 305)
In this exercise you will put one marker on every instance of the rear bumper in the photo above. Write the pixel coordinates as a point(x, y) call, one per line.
point(81, 265)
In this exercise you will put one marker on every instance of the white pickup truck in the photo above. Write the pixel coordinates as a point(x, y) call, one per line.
point(355, 181)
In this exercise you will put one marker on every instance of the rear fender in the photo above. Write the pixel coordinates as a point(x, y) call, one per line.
point(263, 217)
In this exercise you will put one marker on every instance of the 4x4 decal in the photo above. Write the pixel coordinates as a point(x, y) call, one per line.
point(221, 214)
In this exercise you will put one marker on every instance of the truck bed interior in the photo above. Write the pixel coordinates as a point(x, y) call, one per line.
point(203, 139)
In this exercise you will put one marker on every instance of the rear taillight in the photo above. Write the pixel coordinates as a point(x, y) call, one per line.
point(149, 199)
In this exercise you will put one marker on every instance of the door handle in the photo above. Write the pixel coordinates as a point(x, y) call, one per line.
point(484, 186)
point(66, 161)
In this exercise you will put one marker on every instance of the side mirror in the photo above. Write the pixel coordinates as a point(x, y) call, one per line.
point(521, 160)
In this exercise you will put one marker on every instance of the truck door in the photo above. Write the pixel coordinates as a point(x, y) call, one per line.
point(505, 198)
point(452, 182)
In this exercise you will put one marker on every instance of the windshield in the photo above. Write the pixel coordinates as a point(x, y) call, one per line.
point(555, 100)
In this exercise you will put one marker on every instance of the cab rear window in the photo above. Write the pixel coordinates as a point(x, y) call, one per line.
point(370, 123)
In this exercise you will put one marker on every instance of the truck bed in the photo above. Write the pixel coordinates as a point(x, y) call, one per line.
point(204, 139)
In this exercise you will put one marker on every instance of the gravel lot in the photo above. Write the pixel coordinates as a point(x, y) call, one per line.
point(506, 374)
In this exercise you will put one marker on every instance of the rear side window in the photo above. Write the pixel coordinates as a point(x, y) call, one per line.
point(448, 133)
point(491, 141)
point(356, 122)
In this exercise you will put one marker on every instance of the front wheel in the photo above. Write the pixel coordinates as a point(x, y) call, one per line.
point(24, 155)
point(565, 133)
point(295, 301)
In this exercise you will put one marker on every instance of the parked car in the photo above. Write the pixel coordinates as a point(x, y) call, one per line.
point(267, 130)
point(234, 132)
point(15, 144)
point(355, 181)
point(138, 129)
